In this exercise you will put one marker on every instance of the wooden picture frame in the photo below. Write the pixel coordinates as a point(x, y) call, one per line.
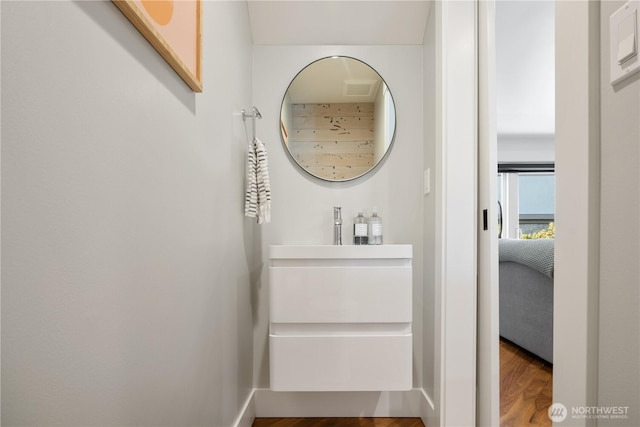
point(173, 27)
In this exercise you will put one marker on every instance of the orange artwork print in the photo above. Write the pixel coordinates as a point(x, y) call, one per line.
point(160, 11)
point(173, 27)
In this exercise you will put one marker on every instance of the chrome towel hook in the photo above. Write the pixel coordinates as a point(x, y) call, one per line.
point(254, 114)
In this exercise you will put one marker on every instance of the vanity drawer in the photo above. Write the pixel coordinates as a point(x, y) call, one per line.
point(340, 363)
point(345, 294)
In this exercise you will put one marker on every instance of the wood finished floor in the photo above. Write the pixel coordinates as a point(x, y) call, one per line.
point(338, 422)
point(525, 396)
point(526, 384)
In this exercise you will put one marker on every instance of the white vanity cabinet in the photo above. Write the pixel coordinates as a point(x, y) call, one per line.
point(340, 318)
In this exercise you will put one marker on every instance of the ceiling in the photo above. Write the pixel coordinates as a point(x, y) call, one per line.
point(330, 22)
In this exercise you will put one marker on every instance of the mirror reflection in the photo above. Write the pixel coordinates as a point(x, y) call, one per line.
point(337, 118)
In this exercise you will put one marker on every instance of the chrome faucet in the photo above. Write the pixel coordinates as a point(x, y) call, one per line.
point(337, 226)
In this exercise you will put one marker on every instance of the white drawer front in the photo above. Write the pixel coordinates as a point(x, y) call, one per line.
point(340, 294)
point(368, 363)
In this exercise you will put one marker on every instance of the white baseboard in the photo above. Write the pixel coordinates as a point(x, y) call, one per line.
point(248, 412)
point(427, 410)
point(411, 403)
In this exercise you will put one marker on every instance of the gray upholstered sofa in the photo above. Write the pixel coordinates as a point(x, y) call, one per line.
point(526, 294)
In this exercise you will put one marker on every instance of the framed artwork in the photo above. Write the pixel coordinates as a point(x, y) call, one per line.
point(173, 27)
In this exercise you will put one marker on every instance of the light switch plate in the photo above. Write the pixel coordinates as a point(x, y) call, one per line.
point(623, 39)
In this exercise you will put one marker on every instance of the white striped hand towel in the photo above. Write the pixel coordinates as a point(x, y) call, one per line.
point(258, 192)
point(264, 188)
point(251, 197)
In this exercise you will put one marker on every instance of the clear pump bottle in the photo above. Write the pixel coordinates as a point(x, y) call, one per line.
point(360, 233)
point(375, 229)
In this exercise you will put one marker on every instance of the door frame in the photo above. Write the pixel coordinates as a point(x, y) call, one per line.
point(577, 209)
point(456, 214)
point(577, 247)
point(488, 348)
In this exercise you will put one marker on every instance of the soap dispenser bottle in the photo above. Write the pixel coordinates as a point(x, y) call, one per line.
point(360, 233)
point(375, 229)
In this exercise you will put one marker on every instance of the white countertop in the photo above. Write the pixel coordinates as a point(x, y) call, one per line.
point(340, 252)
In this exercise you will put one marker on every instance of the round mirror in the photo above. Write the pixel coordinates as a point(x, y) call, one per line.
point(338, 118)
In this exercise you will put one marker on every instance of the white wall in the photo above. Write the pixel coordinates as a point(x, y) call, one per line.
point(525, 76)
point(127, 261)
point(527, 148)
point(302, 207)
point(429, 224)
point(596, 340)
point(525, 67)
point(619, 326)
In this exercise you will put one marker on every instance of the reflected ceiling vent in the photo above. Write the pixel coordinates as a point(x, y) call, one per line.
point(360, 88)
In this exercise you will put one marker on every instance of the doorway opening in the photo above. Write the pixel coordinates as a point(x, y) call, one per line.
point(525, 127)
point(526, 266)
